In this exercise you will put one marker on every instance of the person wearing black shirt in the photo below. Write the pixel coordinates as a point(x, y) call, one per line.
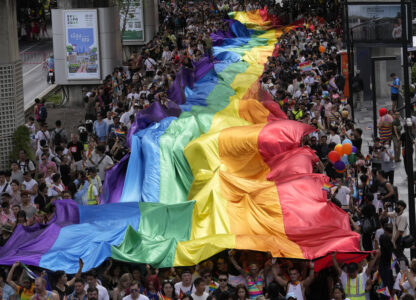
point(386, 251)
point(313, 144)
point(368, 214)
point(323, 148)
point(357, 140)
point(224, 289)
point(40, 199)
point(76, 148)
point(403, 137)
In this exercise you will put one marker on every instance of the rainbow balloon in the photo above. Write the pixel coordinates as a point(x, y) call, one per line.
point(223, 171)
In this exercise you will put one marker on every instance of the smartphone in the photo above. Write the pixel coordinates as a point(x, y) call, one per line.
point(402, 265)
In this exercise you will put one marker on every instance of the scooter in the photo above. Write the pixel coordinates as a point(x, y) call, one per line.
point(51, 76)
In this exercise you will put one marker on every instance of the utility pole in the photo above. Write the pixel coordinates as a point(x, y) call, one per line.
point(409, 142)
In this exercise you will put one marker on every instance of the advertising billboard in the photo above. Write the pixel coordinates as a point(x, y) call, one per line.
point(378, 22)
point(81, 44)
point(131, 12)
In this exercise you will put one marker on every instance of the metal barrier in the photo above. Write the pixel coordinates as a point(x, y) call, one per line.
point(35, 57)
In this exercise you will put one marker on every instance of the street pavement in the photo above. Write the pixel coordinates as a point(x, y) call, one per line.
point(364, 120)
point(33, 54)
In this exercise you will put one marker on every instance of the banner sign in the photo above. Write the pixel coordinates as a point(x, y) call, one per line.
point(378, 22)
point(132, 14)
point(81, 44)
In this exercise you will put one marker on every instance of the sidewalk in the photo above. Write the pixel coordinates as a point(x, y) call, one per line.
point(71, 117)
point(364, 120)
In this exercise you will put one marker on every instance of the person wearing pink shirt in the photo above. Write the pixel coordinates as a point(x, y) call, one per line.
point(44, 164)
point(6, 215)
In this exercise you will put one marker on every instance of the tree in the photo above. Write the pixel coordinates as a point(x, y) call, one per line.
point(21, 140)
point(124, 7)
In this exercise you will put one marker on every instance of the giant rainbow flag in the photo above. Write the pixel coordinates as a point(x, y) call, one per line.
point(219, 168)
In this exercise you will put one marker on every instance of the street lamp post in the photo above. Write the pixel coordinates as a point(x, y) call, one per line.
point(408, 159)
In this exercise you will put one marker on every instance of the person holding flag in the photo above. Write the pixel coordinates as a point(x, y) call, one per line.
point(26, 289)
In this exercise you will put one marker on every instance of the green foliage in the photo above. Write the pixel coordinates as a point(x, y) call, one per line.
point(55, 98)
point(21, 140)
point(414, 73)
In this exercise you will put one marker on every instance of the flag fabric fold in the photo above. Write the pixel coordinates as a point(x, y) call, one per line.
point(220, 167)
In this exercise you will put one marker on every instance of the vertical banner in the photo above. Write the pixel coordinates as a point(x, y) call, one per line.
point(344, 70)
point(131, 12)
point(81, 44)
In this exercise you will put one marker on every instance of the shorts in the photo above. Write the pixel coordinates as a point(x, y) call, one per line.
point(394, 97)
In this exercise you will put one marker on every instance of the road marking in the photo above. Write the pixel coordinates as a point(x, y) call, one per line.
point(34, 68)
point(28, 48)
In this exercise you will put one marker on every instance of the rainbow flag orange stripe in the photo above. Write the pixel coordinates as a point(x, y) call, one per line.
point(228, 174)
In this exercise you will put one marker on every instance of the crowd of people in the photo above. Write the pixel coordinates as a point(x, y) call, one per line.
point(33, 18)
point(305, 79)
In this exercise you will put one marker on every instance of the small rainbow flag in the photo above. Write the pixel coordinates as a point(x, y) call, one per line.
point(414, 106)
point(305, 66)
point(368, 157)
point(327, 187)
point(393, 262)
point(119, 132)
point(383, 291)
point(344, 100)
point(212, 286)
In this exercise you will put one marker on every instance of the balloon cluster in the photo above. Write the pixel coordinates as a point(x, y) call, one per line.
point(343, 155)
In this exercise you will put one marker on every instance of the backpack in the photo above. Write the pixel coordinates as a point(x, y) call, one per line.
point(26, 166)
point(369, 225)
point(58, 138)
point(43, 114)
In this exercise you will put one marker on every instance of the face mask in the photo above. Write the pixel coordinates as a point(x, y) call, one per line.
point(397, 210)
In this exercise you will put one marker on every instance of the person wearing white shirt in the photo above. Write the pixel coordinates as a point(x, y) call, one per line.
point(150, 66)
point(133, 95)
point(30, 185)
point(199, 293)
point(56, 188)
point(185, 286)
point(108, 120)
point(166, 55)
point(43, 134)
point(135, 293)
point(100, 161)
point(125, 117)
point(92, 282)
point(407, 283)
point(333, 137)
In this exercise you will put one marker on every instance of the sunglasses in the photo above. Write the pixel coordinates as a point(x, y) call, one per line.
point(222, 279)
point(134, 290)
